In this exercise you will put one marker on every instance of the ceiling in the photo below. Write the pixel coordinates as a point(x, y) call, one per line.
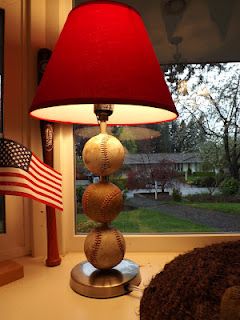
point(191, 31)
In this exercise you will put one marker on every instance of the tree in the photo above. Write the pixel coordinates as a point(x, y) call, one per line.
point(211, 153)
point(130, 145)
point(178, 73)
point(185, 136)
point(164, 173)
point(156, 144)
point(214, 106)
point(152, 176)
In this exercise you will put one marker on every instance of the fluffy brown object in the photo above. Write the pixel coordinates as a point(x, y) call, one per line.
point(191, 286)
point(230, 304)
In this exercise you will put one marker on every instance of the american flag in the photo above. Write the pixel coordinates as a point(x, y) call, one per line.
point(23, 174)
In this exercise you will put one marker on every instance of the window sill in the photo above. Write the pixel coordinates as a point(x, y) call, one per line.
point(164, 242)
point(44, 293)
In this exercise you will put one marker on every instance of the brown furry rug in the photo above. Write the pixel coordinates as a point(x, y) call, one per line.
point(191, 286)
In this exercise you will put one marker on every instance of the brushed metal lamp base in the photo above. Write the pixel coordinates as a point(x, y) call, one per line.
point(91, 282)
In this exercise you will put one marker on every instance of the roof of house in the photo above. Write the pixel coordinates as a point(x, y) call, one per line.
point(143, 158)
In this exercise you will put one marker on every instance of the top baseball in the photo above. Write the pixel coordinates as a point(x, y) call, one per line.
point(103, 154)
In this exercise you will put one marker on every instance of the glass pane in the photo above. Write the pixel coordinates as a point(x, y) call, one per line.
point(181, 176)
point(2, 207)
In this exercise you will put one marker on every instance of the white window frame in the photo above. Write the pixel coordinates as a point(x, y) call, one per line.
point(135, 243)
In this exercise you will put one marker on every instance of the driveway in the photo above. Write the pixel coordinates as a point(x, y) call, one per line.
point(219, 220)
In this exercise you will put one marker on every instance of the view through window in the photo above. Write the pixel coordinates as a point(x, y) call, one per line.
point(181, 176)
point(2, 202)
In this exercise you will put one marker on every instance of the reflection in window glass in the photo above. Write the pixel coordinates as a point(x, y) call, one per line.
point(181, 176)
point(2, 207)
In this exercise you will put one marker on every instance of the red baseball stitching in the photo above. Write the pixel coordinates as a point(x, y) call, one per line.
point(105, 163)
point(96, 246)
point(119, 242)
point(106, 202)
point(85, 199)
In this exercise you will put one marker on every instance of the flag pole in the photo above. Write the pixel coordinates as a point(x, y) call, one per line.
point(47, 136)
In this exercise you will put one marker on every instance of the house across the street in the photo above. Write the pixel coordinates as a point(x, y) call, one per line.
point(182, 162)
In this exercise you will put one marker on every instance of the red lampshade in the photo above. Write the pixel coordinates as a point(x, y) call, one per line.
point(103, 55)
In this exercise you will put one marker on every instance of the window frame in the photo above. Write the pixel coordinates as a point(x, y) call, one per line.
point(135, 242)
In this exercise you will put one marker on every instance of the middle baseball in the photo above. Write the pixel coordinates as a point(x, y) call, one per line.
point(102, 201)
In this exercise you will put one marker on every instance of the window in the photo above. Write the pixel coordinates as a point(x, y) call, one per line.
point(2, 200)
point(177, 176)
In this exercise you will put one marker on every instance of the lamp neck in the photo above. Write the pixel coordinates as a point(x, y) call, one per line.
point(103, 126)
point(103, 111)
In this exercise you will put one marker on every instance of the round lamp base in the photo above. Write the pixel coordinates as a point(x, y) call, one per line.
point(91, 282)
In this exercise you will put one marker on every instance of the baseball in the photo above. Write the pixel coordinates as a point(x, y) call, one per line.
point(102, 201)
point(103, 154)
point(104, 247)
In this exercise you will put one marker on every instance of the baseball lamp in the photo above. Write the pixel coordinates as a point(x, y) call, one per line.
point(103, 71)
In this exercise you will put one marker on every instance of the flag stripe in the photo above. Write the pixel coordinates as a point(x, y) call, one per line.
point(34, 191)
point(43, 181)
point(43, 167)
point(18, 177)
point(38, 175)
point(29, 195)
point(29, 176)
point(40, 182)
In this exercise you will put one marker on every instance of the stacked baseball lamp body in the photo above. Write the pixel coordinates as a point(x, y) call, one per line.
point(103, 71)
point(102, 202)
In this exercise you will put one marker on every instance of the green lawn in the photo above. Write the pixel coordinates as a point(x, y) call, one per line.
point(226, 207)
point(146, 221)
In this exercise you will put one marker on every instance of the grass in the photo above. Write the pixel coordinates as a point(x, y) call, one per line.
point(229, 208)
point(147, 221)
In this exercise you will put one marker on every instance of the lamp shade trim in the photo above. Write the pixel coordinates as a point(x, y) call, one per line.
point(122, 114)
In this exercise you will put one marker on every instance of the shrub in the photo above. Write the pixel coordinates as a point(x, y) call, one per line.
point(207, 180)
point(86, 226)
point(206, 197)
point(177, 195)
point(204, 174)
point(229, 186)
point(121, 183)
point(220, 176)
point(79, 193)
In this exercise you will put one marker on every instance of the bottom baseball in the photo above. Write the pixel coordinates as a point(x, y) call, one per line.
point(104, 247)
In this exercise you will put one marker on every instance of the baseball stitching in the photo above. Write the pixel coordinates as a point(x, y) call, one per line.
point(106, 202)
point(105, 163)
point(119, 242)
point(95, 247)
point(85, 199)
